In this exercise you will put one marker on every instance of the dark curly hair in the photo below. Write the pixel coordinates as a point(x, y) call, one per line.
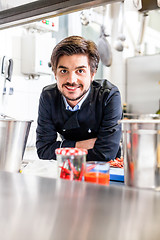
point(76, 45)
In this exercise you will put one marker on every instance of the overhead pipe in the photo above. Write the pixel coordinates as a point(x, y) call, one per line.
point(143, 25)
point(119, 45)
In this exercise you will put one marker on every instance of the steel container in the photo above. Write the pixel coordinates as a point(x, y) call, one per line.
point(141, 151)
point(13, 139)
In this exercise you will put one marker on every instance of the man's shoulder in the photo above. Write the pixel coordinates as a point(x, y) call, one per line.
point(51, 87)
point(50, 92)
point(104, 85)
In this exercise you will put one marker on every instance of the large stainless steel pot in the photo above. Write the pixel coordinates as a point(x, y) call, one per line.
point(13, 139)
point(141, 149)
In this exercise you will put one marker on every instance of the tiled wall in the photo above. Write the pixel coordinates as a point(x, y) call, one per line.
point(23, 104)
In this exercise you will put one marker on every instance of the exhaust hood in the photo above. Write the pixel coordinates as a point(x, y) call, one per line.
point(146, 5)
point(31, 10)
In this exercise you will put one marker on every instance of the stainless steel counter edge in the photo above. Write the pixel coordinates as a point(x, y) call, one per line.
point(42, 208)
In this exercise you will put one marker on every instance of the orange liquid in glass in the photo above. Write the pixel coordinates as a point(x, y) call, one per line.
point(100, 178)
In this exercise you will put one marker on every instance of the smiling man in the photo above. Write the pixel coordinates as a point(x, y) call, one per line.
point(73, 77)
point(84, 111)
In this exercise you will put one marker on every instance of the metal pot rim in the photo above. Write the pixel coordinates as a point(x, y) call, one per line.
point(14, 120)
point(140, 121)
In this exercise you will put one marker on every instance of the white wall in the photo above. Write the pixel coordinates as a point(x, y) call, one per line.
point(23, 104)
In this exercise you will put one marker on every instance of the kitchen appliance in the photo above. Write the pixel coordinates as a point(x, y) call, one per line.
point(13, 139)
point(36, 52)
point(141, 149)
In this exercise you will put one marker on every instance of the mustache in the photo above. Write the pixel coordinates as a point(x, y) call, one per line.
point(72, 85)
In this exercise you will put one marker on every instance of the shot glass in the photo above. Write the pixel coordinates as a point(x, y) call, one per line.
point(97, 172)
point(71, 163)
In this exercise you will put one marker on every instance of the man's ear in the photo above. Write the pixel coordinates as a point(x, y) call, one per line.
point(93, 75)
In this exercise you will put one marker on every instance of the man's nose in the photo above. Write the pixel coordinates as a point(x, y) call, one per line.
point(72, 78)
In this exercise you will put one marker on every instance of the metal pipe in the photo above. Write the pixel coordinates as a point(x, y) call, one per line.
point(142, 28)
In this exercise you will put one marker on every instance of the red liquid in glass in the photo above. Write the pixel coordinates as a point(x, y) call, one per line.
point(100, 178)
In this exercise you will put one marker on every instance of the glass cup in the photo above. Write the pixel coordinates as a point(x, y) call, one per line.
point(97, 172)
point(71, 163)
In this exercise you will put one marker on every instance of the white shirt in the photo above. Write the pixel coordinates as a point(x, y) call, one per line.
point(78, 106)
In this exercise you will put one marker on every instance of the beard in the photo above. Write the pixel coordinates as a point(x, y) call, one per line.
point(73, 85)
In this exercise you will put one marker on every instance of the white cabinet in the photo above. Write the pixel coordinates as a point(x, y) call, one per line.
point(36, 50)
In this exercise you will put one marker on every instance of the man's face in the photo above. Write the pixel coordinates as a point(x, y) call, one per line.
point(73, 77)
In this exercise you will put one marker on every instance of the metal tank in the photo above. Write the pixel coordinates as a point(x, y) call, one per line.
point(141, 150)
point(13, 139)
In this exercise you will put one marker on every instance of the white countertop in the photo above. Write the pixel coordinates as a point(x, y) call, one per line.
point(33, 165)
point(48, 168)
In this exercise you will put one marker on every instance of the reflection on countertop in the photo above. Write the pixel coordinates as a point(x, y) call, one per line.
point(30, 154)
point(44, 208)
point(32, 165)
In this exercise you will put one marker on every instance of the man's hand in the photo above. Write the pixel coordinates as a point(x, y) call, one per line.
point(86, 144)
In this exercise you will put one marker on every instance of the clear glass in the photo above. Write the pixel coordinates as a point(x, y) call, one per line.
point(71, 167)
point(97, 172)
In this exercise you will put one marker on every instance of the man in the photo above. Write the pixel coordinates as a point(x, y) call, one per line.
point(83, 111)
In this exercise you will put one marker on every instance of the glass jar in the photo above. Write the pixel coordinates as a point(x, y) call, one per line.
point(97, 172)
point(71, 163)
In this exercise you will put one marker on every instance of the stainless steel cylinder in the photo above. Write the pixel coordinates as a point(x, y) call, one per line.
point(13, 139)
point(141, 149)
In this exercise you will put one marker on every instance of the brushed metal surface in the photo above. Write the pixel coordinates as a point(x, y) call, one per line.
point(38, 208)
point(141, 144)
point(13, 139)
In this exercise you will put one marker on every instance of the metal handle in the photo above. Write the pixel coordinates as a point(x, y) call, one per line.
point(10, 70)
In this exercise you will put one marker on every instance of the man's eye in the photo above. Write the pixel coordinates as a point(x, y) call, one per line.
point(63, 71)
point(81, 71)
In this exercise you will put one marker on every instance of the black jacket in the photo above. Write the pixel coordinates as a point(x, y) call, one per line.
point(97, 117)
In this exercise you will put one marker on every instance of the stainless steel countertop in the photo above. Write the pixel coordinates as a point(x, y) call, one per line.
point(38, 208)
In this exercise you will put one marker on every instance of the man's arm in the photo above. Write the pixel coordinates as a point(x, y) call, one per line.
point(46, 133)
point(86, 144)
point(108, 138)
